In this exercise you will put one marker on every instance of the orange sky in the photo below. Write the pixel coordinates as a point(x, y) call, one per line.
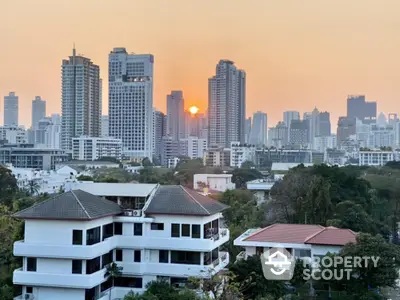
point(296, 53)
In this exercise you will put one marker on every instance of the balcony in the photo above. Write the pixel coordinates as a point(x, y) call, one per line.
point(81, 281)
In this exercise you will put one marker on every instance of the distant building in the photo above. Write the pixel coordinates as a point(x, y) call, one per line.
point(376, 158)
point(278, 135)
point(226, 105)
point(11, 110)
point(323, 124)
point(264, 158)
point(193, 147)
point(288, 116)
point(241, 153)
point(213, 182)
point(321, 143)
point(169, 149)
point(13, 135)
point(247, 130)
point(175, 115)
point(53, 133)
point(358, 107)
point(38, 111)
point(93, 148)
point(299, 134)
point(104, 126)
point(217, 157)
point(345, 128)
point(258, 135)
point(160, 130)
point(40, 131)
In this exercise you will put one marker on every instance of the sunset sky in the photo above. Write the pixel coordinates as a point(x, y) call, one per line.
point(297, 53)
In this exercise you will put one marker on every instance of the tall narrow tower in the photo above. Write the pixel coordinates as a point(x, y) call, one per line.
point(80, 100)
point(38, 111)
point(175, 115)
point(11, 110)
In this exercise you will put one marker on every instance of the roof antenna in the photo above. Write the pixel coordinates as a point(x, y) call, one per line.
point(74, 51)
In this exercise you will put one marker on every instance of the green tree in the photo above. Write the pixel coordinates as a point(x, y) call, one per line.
point(248, 164)
point(146, 162)
point(242, 175)
point(113, 271)
point(8, 186)
point(85, 178)
point(32, 188)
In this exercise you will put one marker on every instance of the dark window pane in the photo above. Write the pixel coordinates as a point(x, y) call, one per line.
point(175, 230)
point(185, 230)
point(185, 257)
point(107, 259)
point(31, 264)
point(106, 285)
point(163, 256)
point(108, 230)
point(118, 228)
point(137, 229)
point(132, 282)
point(77, 237)
point(157, 226)
point(93, 236)
point(93, 265)
point(118, 255)
point(195, 231)
point(29, 289)
point(137, 257)
point(76, 267)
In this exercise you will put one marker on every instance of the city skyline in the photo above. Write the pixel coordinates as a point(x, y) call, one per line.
point(311, 60)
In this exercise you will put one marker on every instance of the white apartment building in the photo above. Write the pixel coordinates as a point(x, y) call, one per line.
point(193, 147)
point(376, 158)
point(241, 153)
point(130, 104)
point(13, 134)
point(71, 238)
point(298, 239)
point(11, 110)
point(80, 99)
point(321, 143)
point(213, 182)
point(217, 157)
point(93, 148)
point(381, 136)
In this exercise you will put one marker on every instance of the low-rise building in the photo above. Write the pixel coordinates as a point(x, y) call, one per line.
point(375, 158)
point(213, 182)
point(217, 157)
point(241, 153)
point(298, 239)
point(13, 134)
point(84, 164)
point(93, 148)
point(153, 232)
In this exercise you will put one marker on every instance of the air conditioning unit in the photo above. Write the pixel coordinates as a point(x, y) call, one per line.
point(28, 296)
point(137, 213)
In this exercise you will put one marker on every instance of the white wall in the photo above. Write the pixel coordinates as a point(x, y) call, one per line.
point(45, 293)
point(54, 266)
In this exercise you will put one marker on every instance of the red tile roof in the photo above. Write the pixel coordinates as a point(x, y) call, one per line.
point(303, 234)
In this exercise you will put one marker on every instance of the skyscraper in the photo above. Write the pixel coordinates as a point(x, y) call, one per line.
point(247, 130)
point(104, 126)
point(259, 129)
point(226, 105)
point(38, 111)
point(130, 102)
point(323, 124)
point(175, 115)
point(80, 100)
point(358, 108)
point(11, 110)
point(288, 116)
point(160, 130)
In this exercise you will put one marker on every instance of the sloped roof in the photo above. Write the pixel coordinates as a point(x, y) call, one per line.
point(178, 200)
point(72, 205)
point(303, 234)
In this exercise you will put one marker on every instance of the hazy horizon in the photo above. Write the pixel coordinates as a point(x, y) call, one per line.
point(296, 54)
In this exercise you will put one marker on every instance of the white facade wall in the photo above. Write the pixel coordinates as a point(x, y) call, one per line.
point(240, 154)
point(321, 143)
point(375, 158)
point(13, 134)
point(92, 148)
point(217, 182)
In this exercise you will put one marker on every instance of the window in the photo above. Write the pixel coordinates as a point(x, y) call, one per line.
point(137, 229)
point(108, 230)
point(185, 230)
point(302, 253)
point(157, 226)
point(137, 256)
point(93, 236)
point(175, 230)
point(106, 259)
point(132, 282)
point(195, 231)
point(76, 267)
point(31, 264)
point(93, 265)
point(163, 256)
point(185, 257)
point(118, 228)
point(76, 237)
point(118, 255)
point(29, 289)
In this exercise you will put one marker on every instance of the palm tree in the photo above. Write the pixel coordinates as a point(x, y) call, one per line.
point(113, 271)
point(32, 187)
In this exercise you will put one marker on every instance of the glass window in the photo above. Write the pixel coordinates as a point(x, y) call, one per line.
point(132, 282)
point(137, 229)
point(93, 265)
point(186, 230)
point(118, 255)
point(137, 257)
point(76, 267)
point(108, 230)
point(163, 256)
point(93, 236)
point(157, 226)
point(106, 259)
point(196, 231)
point(118, 228)
point(185, 257)
point(29, 289)
point(77, 237)
point(302, 253)
point(175, 230)
point(31, 264)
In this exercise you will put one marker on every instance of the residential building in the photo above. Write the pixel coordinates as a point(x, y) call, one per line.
point(264, 158)
point(175, 115)
point(130, 104)
point(160, 130)
point(169, 149)
point(299, 134)
point(13, 135)
point(247, 130)
point(53, 133)
point(213, 182)
point(376, 157)
point(80, 99)
point(321, 143)
point(217, 157)
point(150, 231)
point(381, 136)
point(358, 107)
point(241, 153)
point(193, 147)
point(335, 157)
point(288, 116)
point(104, 126)
point(345, 128)
point(11, 110)
point(193, 124)
point(301, 241)
point(40, 131)
point(93, 148)
point(278, 135)
point(226, 105)
point(38, 111)
point(261, 188)
point(26, 156)
point(323, 126)
point(259, 129)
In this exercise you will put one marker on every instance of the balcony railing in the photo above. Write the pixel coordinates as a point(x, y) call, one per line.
point(215, 234)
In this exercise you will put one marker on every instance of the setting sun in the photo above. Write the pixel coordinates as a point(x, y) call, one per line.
point(193, 110)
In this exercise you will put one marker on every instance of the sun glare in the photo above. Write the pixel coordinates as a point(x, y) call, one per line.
point(193, 110)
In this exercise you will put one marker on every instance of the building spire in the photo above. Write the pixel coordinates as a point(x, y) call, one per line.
point(74, 50)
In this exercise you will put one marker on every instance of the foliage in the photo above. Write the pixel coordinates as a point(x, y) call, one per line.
point(186, 169)
point(146, 162)
point(113, 271)
point(109, 159)
point(112, 175)
point(241, 175)
point(85, 178)
point(8, 186)
point(162, 176)
point(32, 188)
point(248, 164)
